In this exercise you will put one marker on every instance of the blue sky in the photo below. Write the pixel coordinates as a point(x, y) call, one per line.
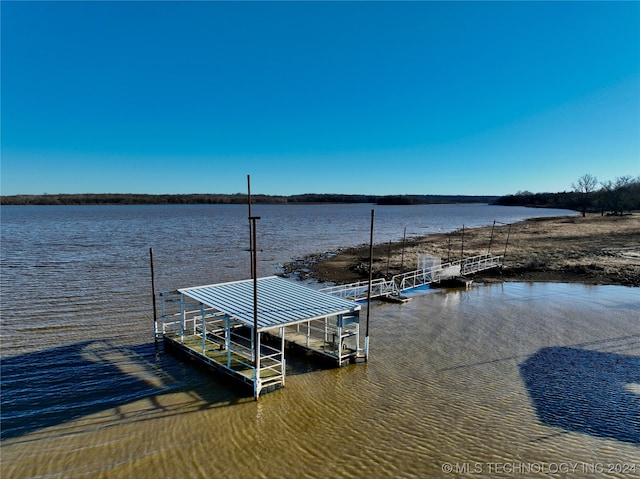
point(327, 97)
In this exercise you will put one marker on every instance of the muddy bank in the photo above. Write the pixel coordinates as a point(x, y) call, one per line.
point(592, 250)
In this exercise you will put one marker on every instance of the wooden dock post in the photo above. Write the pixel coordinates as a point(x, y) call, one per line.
point(404, 239)
point(491, 238)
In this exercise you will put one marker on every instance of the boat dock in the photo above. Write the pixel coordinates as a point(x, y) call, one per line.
point(216, 324)
point(242, 328)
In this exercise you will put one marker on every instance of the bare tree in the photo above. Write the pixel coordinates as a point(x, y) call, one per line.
point(606, 197)
point(585, 186)
point(624, 193)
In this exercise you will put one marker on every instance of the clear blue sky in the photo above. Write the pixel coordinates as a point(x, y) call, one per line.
point(328, 97)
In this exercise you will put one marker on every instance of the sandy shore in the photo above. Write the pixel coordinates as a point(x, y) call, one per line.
point(592, 250)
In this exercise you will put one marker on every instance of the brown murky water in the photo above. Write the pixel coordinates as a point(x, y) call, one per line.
point(513, 380)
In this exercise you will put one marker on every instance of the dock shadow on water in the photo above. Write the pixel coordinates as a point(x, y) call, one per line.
point(58, 385)
point(586, 391)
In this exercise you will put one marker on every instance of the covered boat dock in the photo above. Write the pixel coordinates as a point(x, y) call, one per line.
point(216, 324)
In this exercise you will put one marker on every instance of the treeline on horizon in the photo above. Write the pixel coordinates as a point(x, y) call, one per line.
point(586, 195)
point(237, 198)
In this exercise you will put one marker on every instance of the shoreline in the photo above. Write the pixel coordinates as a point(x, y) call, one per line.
point(602, 250)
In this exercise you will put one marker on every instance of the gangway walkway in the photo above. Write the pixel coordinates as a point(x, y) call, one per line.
point(413, 279)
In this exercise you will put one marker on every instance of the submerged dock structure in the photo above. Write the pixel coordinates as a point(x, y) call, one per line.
point(216, 325)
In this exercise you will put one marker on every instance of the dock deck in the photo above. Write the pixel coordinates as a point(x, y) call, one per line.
point(232, 363)
point(215, 324)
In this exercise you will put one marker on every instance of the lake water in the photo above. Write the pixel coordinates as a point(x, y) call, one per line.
point(506, 380)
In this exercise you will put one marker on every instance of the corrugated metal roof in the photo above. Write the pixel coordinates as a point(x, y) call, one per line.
point(280, 302)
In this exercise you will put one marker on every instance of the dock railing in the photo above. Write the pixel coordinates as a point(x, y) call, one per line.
point(272, 365)
point(414, 279)
point(379, 287)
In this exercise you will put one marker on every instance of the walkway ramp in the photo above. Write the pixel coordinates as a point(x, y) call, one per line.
point(414, 279)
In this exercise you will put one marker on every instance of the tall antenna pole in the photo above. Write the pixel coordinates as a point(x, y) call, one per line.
point(250, 224)
point(366, 337)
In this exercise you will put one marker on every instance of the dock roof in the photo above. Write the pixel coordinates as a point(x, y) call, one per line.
point(280, 302)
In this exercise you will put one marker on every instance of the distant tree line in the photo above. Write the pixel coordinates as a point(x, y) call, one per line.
point(128, 199)
point(433, 199)
point(137, 199)
point(614, 197)
point(237, 198)
point(586, 195)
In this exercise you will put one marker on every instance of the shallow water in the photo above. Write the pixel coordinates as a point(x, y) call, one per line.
point(470, 379)
point(505, 380)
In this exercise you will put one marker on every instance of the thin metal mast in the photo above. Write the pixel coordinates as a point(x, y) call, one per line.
point(250, 224)
point(366, 337)
point(153, 298)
